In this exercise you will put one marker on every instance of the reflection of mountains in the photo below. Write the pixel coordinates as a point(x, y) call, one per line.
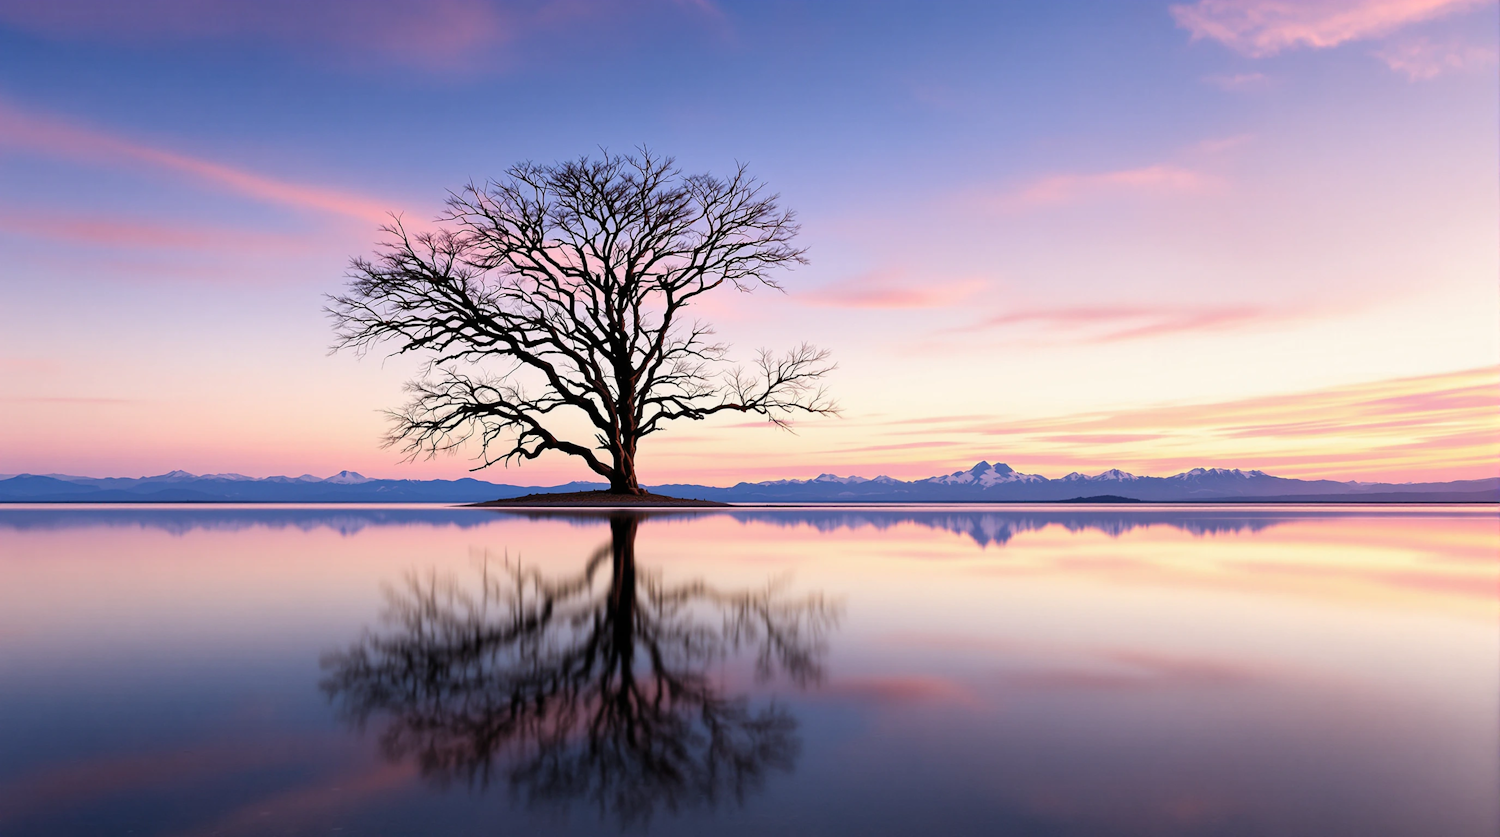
point(999, 527)
point(590, 688)
point(984, 526)
point(179, 520)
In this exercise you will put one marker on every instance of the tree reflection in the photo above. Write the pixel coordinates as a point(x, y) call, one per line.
point(583, 687)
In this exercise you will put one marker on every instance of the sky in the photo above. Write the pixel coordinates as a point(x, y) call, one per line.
point(1068, 237)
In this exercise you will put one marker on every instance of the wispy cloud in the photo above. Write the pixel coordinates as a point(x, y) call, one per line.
point(891, 290)
point(101, 231)
point(47, 135)
point(430, 35)
point(710, 11)
point(1101, 438)
point(438, 34)
point(78, 400)
point(1259, 28)
point(1238, 81)
point(1444, 426)
point(1068, 188)
point(935, 443)
point(1420, 59)
point(1221, 145)
point(1109, 324)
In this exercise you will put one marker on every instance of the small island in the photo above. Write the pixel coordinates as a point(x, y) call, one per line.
point(597, 499)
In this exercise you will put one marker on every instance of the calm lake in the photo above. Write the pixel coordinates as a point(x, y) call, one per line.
point(934, 670)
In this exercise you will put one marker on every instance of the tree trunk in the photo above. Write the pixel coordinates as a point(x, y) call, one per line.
point(621, 484)
point(623, 480)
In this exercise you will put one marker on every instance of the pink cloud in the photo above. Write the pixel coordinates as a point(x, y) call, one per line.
point(1109, 324)
point(710, 11)
point(433, 35)
point(891, 290)
point(1446, 400)
point(429, 33)
point(1220, 145)
point(91, 402)
point(46, 135)
point(708, 7)
point(938, 443)
point(1060, 189)
point(1259, 28)
point(1443, 427)
point(1421, 59)
point(1101, 438)
point(1238, 81)
point(939, 420)
point(1184, 321)
point(110, 232)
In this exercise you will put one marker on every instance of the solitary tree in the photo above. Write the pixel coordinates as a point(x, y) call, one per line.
point(560, 291)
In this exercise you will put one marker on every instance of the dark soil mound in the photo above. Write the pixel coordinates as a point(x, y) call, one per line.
point(575, 499)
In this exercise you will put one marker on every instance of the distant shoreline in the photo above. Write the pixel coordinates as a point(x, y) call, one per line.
point(713, 506)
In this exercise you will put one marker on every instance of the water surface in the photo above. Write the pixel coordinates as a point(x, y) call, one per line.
point(963, 670)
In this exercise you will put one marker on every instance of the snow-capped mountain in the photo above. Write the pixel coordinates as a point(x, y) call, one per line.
point(831, 479)
point(341, 478)
point(838, 480)
point(171, 476)
point(1201, 474)
point(985, 475)
point(1112, 475)
point(305, 478)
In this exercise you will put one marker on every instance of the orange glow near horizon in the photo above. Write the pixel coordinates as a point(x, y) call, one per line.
point(1421, 429)
point(1427, 428)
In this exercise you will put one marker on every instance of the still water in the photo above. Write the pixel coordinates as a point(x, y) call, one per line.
point(953, 670)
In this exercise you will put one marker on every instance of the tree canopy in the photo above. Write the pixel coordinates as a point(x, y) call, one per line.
point(561, 291)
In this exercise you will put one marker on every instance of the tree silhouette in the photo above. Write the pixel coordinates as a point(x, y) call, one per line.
point(557, 296)
point(580, 689)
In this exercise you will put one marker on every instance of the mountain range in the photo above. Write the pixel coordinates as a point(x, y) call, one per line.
point(982, 483)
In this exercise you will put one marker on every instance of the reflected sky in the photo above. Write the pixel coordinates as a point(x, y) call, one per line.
point(1024, 670)
point(596, 688)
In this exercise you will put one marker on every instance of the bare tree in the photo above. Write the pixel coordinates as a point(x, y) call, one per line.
point(561, 290)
